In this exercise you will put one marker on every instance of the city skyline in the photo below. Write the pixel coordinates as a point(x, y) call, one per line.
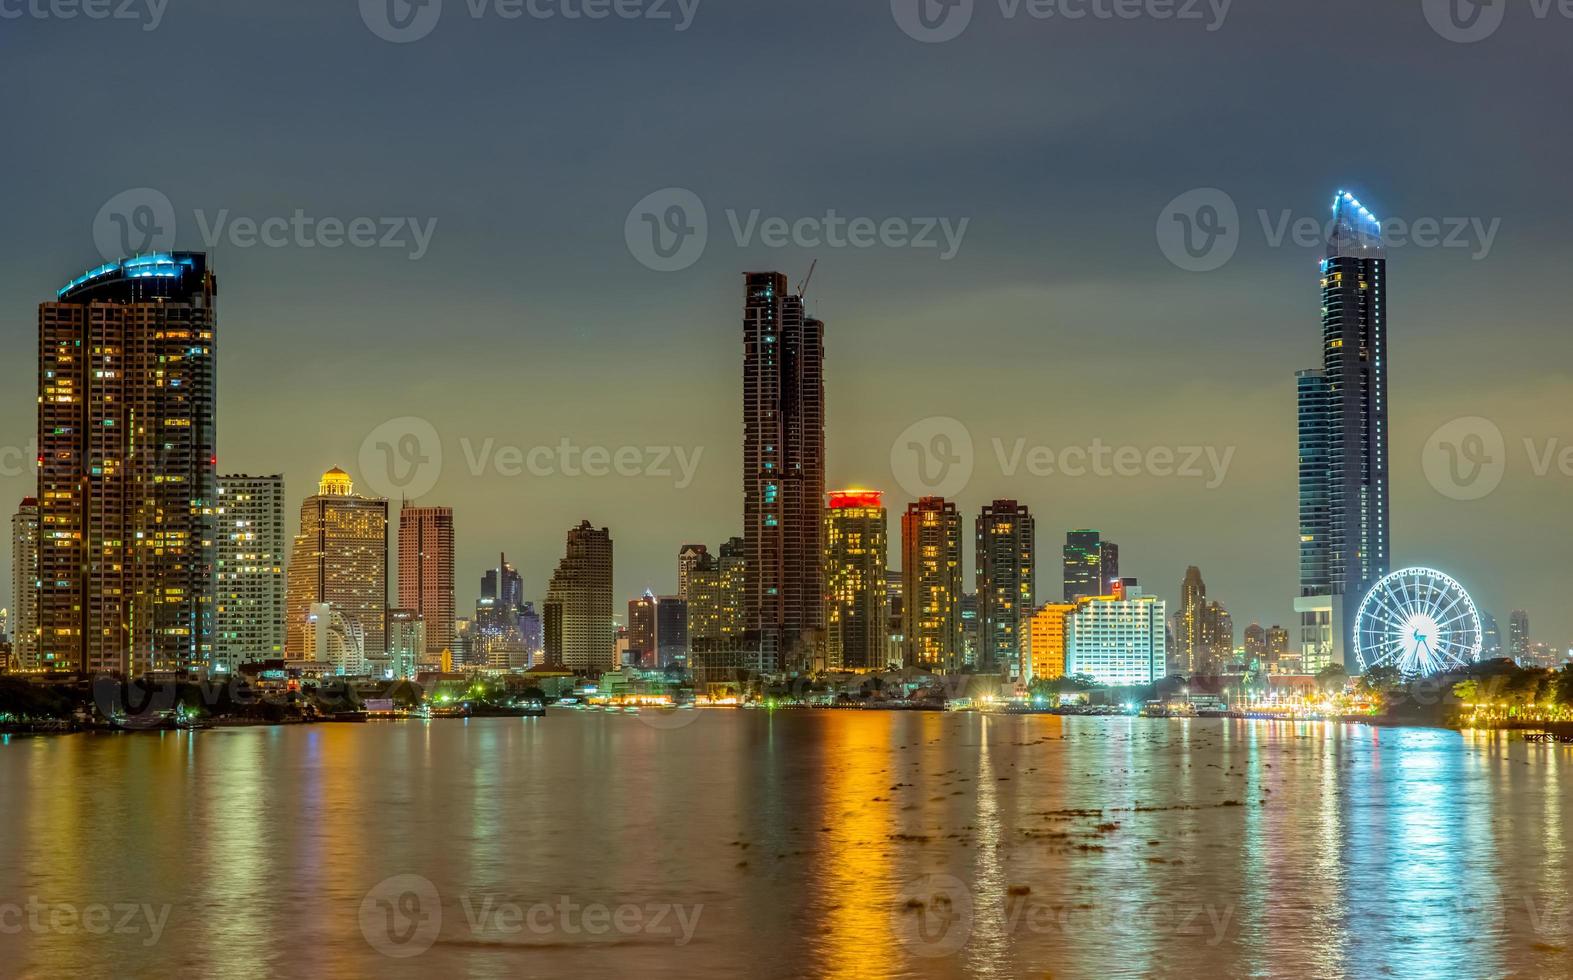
point(524, 314)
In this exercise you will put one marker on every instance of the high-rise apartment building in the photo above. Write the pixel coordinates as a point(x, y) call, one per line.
point(1007, 584)
point(857, 613)
point(1192, 634)
point(339, 561)
point(641, 631)
point(1118, 639)
point(406, 643)
point(127, 477)
point(716, 593)
point(1344, 515)
point(688, 556)
point(24, 585)
point(578, 613)
point(1091, 564)
point(783, 468)
point(671, 631)
point(426, 574)
point(1046, 640)
point(248, 610)
point(931, 584)
point(1518, 636)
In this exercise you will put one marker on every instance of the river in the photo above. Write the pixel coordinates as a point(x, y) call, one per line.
point(719, 843)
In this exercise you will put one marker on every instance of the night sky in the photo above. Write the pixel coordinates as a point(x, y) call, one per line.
point(1060, 320)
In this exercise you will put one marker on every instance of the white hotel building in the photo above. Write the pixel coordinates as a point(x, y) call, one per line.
point(1120, 639)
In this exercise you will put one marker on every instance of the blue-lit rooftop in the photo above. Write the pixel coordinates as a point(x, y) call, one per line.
point(157, 265)
point(1356, 231)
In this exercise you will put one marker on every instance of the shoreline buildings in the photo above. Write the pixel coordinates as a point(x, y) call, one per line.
point(426, 572)
point(783, 470)
point(24, 584)
point(1342, 408)
point(931, 584)
point(857, 615)
point(1006, 585)
point(337, 593)
point(128, 475)
point(577, 617)
point(249, 602)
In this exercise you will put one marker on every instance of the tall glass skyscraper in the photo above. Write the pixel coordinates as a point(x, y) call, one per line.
point(783, 468)
point(1344, 517)
point(127, 477)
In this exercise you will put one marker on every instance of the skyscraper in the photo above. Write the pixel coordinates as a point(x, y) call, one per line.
point(783, 467)
point(671, 631)
point(1518, 636)
point(406, 643)
point(426, 571)
point(716, 594)
point(1344, 518)
point(1007, 584)
point(339, 561)
point(931, 584)
point(24, 584)
point(496, 632)
point(856, 553)
point(578, 612)
point(641, 631)
point(127, 476)
point(1092, 564)
point(1193, 630)
point(248, 613)
point(688, 556)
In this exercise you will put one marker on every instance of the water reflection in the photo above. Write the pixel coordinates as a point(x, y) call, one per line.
point(1111, 847)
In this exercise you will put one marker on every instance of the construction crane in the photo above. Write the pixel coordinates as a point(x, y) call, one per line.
point(802, 289)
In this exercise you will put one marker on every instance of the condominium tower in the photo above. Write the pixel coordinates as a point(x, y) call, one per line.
point(127, 475)
point(783, 467)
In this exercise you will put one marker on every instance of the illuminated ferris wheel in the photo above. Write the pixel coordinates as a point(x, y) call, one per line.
point(1419, 621)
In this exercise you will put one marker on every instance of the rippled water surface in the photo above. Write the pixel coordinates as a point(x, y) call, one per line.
point(786, 844)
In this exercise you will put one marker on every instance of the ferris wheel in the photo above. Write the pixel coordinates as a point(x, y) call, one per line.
point(1418, 620)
